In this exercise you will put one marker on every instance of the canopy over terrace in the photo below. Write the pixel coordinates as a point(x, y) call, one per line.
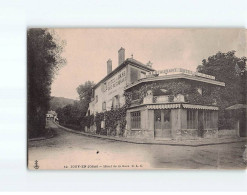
point(241, 123)
point(188, 106)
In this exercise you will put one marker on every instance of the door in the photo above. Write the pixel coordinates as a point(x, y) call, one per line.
point(162, 124)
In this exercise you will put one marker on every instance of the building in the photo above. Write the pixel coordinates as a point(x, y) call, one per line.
point(240, 112)
point(168, 104)
point(109, 92)
point(51, 115)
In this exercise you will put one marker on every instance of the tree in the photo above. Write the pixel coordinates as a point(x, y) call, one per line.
point(226, 67)
point(43, 62)
point(85, 94)
point(73, 114)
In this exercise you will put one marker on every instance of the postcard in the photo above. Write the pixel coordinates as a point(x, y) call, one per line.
point(136, 98)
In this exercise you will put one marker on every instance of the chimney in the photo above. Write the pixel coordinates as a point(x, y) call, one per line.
point(149, 64)
point(121, 56)
point(109, 66)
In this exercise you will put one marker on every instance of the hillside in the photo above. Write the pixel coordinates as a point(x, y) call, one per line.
point(59, 102)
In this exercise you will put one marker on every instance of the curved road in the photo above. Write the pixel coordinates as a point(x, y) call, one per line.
point(74, 151)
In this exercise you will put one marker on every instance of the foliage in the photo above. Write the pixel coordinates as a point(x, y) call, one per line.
point(87, 121)
point(85, 94)
point(59, 102)
point(128, 98)
point(231, 70)
point(73, 114)
point(116, 117)
point(98, 118)
point(173, 88)
point(43, 62)
point(112, 118)
point(70, 114)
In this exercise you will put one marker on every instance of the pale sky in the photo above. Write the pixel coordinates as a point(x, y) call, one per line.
point(88, 50)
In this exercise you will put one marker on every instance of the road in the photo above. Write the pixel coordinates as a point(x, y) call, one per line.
point(74, 151)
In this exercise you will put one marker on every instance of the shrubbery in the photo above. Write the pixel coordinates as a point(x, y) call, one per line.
point(112, 119)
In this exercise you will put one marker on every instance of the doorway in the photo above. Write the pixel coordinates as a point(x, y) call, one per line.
point(162, 124)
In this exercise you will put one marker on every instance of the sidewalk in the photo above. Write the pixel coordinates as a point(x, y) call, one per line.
point(192, 143)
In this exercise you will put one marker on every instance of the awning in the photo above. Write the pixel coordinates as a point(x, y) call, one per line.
point(164, 106)
point(199, 107)
point(173, 106)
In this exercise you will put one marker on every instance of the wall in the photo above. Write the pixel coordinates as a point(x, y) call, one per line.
point(133, 73)
point(228, 133)
point(178, 123)
point(185, 133)
point(114, 86)
point(147, 124)
point(110, 88)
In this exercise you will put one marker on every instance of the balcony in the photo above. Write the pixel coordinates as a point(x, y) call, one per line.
point(150, 99)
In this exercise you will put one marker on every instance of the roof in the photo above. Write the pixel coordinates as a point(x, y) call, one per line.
point(176, 76)
point(127, 61)
point(51, 112)
point(237, 106)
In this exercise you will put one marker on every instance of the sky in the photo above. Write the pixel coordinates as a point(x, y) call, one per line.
point(87, 51)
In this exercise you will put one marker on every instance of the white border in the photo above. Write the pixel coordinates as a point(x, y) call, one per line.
point(16, 16)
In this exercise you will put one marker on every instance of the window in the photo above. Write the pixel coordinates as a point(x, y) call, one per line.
point(116, 102)
point(207, 119)
point(96, 98)
point(104, 106)
point(135, 120)
point(191, 119)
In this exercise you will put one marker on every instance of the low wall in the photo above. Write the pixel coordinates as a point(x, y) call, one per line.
point(140, 134)
point(228, 133)
point(210, 133)
point(184, 134)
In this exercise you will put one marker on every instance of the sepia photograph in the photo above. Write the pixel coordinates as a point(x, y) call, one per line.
point(136, 98)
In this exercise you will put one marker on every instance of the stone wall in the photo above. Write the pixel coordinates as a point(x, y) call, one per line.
point(210, 133)
point(228, 133)
point(182, 134)
point(140, 134)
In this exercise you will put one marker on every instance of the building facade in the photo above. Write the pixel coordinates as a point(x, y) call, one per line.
point(168, 104)
point(109, 92)
point(51, 115)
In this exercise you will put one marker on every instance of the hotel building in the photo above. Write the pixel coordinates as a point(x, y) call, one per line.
point(158, 114)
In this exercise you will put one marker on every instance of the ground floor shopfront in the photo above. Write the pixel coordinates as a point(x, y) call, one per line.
point(172, 121)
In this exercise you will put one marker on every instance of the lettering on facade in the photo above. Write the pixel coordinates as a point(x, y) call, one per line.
point(181, 70)
point(116, 80)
